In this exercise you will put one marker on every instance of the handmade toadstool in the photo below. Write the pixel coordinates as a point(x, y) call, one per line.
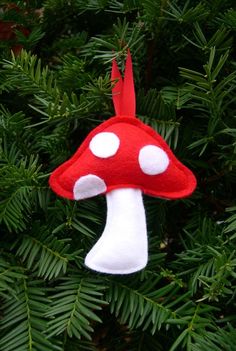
point(122, 158)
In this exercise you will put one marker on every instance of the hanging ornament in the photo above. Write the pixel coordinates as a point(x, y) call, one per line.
point(122, 158)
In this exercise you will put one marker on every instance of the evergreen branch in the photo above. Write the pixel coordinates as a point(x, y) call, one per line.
point(124, 7)
point(217, 340)
point(210, 268)
point(186, 14)
point(83, 218)
point(73, 306)
point(228, 18)
point(210, 97)
point(9, 276)
point(47, 256)
point(178, 96)
point(196, 327)
point(34, 37)
point(146, 306)
point(161, 109)
point(125, 36)
point(14, 208)
point(61, 108)
point(153, 14)
point(155, 104)
point(11, 124)
point(220, 39)
point(18, 182)
point(231, 223)
point(25, 71)
point(22, 322)
point(169, 130)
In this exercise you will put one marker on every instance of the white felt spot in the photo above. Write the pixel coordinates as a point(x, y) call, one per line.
point(153, 160)
point(88, 186)
point(104, 145)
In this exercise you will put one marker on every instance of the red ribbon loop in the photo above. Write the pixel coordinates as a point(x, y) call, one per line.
point(123, 93)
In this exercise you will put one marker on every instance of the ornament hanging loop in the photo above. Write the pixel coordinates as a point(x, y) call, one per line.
point(123, 93)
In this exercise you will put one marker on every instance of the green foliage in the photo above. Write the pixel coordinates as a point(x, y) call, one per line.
point(9, 274)
point(73, 306)
point(22, 326)
point(45, 255)
point(19, 187)
point(139, 305)
point(53, 93)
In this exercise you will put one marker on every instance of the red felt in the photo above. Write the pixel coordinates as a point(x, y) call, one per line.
point(122, 170)
point(123, 93)
point(117, 88)
point(128, 94)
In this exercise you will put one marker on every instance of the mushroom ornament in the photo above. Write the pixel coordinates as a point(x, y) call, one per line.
point(122, 158)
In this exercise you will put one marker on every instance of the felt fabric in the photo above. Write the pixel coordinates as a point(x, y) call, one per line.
point(123, 170)
point(122, 158)
point(123, 93)
point(104, 145)
point(122, 248)
point(88, 186)
point(117, 88)
point(153, 160)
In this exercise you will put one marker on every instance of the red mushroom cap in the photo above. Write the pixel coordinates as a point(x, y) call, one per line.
point(123, 152)
point(139, 146)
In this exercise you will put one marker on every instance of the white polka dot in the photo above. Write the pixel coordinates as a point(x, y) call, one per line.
point(153, 160)
point(88, 186)
point(104, 145)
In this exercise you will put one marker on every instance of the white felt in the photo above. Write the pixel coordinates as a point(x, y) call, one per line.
point(104, 145)
point(88, 186)
point(122, 248)
point(153, 160)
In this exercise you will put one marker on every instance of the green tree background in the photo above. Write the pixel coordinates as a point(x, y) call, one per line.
point(52, 94)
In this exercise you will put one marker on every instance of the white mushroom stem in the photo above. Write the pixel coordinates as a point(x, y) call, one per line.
point(122, 247)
